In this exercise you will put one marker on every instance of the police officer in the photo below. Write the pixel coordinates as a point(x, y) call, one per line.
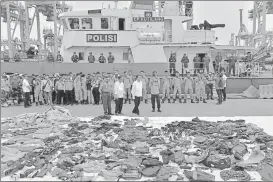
point(155, 85)
point(102, 58)
point(6, 57)
point(60, 90)
point(185, 63)
point(91, 58)
point(128, 81)
point(83, 93)
point(218, 60)
point(106, 89)
point(188, 88)
point(166, 87)
point(111, 58)
point(197, 62)
point(177, 82)
point(209, 86)
point(17, 57)
point(172, 61)
point(232, 60)
point(50, 57)
point(200, 88)
point(77, 86)
point(59, 57)
point(75, 58)
point(144, 81)
point(207, 61)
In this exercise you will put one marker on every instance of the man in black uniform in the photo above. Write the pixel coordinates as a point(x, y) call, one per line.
point(75, 58)
point(172, 61)
point(102, 58)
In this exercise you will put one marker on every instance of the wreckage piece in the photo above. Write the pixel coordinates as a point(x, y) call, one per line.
point(197, 159)
point(199, 176)
point(150, 171)
point(132, 174)
point(255, 158)
point(207, 26)
point(235, 175)
point(218, 161)
point(241, 149)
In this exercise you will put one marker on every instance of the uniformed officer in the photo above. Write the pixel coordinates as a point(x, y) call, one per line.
point(200, 88)
point(188, 88)
point(75, 58)
point(172, 61)
point(166, 87)
point(185, 63)
point(144, 81)
point(6, 57)
point(77, 86)
point(83, 93)
point(91, 58)
point(218, 60)
point(59, 57)
point(111, 58)
point(128, 81)
point(207, 61)
point(197, 62)
point(177, 82)
point(155, 86)
point(102, 58)
point(68, 87)
point(17, 57)
point(106, 89)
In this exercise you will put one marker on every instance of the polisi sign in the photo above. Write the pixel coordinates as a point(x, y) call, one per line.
point(101, 37)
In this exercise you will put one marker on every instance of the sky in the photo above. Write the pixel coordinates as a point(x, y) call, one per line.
point(215, 12)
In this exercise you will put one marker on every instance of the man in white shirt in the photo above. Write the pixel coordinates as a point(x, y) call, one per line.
point(137, 94)
point(225, 85)
point(119, 93)
point(26, 89)
point(47, 87)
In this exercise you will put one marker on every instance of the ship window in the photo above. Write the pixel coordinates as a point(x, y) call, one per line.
point(87, 23)
point(64, 24)
point(74, 23)
point(125, 55)
point(104, 23)
point(81, 55)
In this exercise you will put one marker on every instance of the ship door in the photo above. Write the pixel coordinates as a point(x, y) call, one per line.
point(121, 23)
point(168, 28)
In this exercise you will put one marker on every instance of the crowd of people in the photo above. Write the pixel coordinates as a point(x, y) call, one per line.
point(96, 88)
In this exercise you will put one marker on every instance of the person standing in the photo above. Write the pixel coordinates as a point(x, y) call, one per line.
point(188, 88)
point(37, 91)
point(144, 81)
point(209, 86)
point(83, 92)
point(119, 93)
point(59, 57)
point(218, 60)
point(26, 89)
point(47, 89)
point(111, 58)
point(137, 94)
point(6, 57)
point(75, 58)
point(232, 60)
point(185, 63)
point(91, 58)
point(77, 86)
point(60, 91)
point(95, 91)
point(225, 85)
point(166, 87)
point(207, 61)
point(177, 82)
point(155, 85)
point(172, 62)
point(197, 62)
point(68, 87)
point(102, 58)
point(127, 85)
point(219, 85)
point(89, 89)
point(200, 88)
point(106, 90)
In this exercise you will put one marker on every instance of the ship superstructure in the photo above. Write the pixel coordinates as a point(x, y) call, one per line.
point(146, 32)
